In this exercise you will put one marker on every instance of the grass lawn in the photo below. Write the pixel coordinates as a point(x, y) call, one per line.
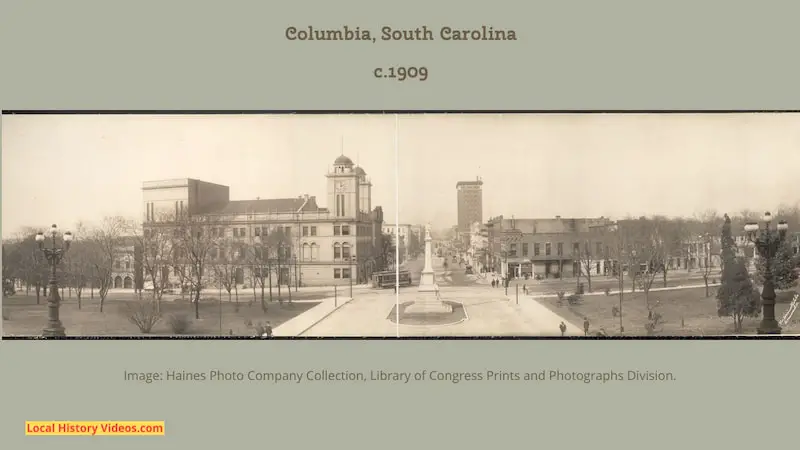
point(699, 313)
point(22, 316)
point(599, 284)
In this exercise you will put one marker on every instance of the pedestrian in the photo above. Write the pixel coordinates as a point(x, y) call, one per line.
point(563, 328)
point(267, 331)
point(525, 289)
point(586, 326)
point(492, 282)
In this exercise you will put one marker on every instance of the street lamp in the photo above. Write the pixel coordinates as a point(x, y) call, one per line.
point(53, 254)
point(767, 242)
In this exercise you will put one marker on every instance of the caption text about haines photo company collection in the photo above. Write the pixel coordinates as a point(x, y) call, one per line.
point(400, 377)
point(388, 34)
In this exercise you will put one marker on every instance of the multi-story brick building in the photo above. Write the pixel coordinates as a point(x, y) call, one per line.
point(548, 248)
point(319, 246)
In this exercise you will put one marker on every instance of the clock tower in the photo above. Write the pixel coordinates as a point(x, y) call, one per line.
point(343, 189)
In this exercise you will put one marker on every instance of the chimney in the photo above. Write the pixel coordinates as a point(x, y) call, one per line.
point(306, 196)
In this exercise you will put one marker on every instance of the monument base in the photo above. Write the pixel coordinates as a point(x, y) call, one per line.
point(427, 279)
point(428, 303)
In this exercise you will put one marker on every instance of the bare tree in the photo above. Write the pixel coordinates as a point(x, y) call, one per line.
point(104, 244)
point(80, 263)
point(675, 234)
point(709, 225)
point(27, 262)
point(278, 248)
point(155, 239)
point(651, 251)
point(194, 240)
point(585, 262)
point(225, 267)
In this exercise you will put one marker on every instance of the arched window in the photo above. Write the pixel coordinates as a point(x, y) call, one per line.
point(346, 251)
point(314, 252)
point(306, 252)
point(337, 250)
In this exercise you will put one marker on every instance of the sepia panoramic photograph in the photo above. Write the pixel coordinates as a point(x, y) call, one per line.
point(451, 225)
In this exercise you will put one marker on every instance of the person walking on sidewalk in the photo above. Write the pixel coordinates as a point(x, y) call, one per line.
point(585, 326)
point(563, 328)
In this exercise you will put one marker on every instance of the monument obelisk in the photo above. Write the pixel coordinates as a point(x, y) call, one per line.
point(428, 300)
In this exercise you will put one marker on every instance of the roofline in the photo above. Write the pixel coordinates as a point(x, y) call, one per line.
point(469, 183)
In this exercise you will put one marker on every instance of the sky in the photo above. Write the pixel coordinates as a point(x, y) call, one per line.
point(532, 166)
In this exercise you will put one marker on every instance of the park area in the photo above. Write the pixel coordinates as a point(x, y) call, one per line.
point(683, 312)
point(124, 312)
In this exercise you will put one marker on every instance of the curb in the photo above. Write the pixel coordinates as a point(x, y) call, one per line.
point(336, 308)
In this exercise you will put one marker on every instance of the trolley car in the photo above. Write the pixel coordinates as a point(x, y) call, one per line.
point(384, 280)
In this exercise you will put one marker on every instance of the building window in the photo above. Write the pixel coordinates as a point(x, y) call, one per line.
point(560, 249)
point(524, 249)
point(337, 251)
point(287, 231)
point(346, 251)
point(313, 231)
point(258, 231)
point(536, 249)
point(119, 264)
point(339, 205)
point(547, 249)
point(576, 248)
point(337, 230)
point(345, 230)
point(337, 273)
point(305, 231)
point(314, 252)
point(599, 248)
point(235, 232)
point(345, 273)
point(306, 255)
point(512, 252)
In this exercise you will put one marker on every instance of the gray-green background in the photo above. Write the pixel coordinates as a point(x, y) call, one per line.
point(571, 55)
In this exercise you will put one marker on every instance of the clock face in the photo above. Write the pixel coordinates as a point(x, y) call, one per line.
point(341, 186)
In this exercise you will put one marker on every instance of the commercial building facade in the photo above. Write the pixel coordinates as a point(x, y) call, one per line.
point(548, 248)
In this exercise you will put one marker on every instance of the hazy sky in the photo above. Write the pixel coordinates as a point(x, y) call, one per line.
point(531, 165)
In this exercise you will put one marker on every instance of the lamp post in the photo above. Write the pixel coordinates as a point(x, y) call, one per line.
point(350, 263)
point(767, 242)
point(54, 254)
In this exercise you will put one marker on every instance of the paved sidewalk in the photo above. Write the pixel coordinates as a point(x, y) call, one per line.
point(298, 325)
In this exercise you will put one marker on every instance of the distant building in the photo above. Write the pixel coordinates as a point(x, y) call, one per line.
point(323, 246)
point(403, 231)
point(470, 204)
point(127, 270)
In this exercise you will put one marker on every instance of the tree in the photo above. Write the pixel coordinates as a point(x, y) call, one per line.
point(261, 265)
point(103, 244)
point(414, 244)
point(26, 262)
point(194, 240)
point(386, 256)
point(652, 252)
point(708, 223)
point(736, 296)
point(585, 262)
point(155, 241)
point(675, 234)
point(783, 268)
point(225, 268)
point(279, 244)
point(79, 263)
